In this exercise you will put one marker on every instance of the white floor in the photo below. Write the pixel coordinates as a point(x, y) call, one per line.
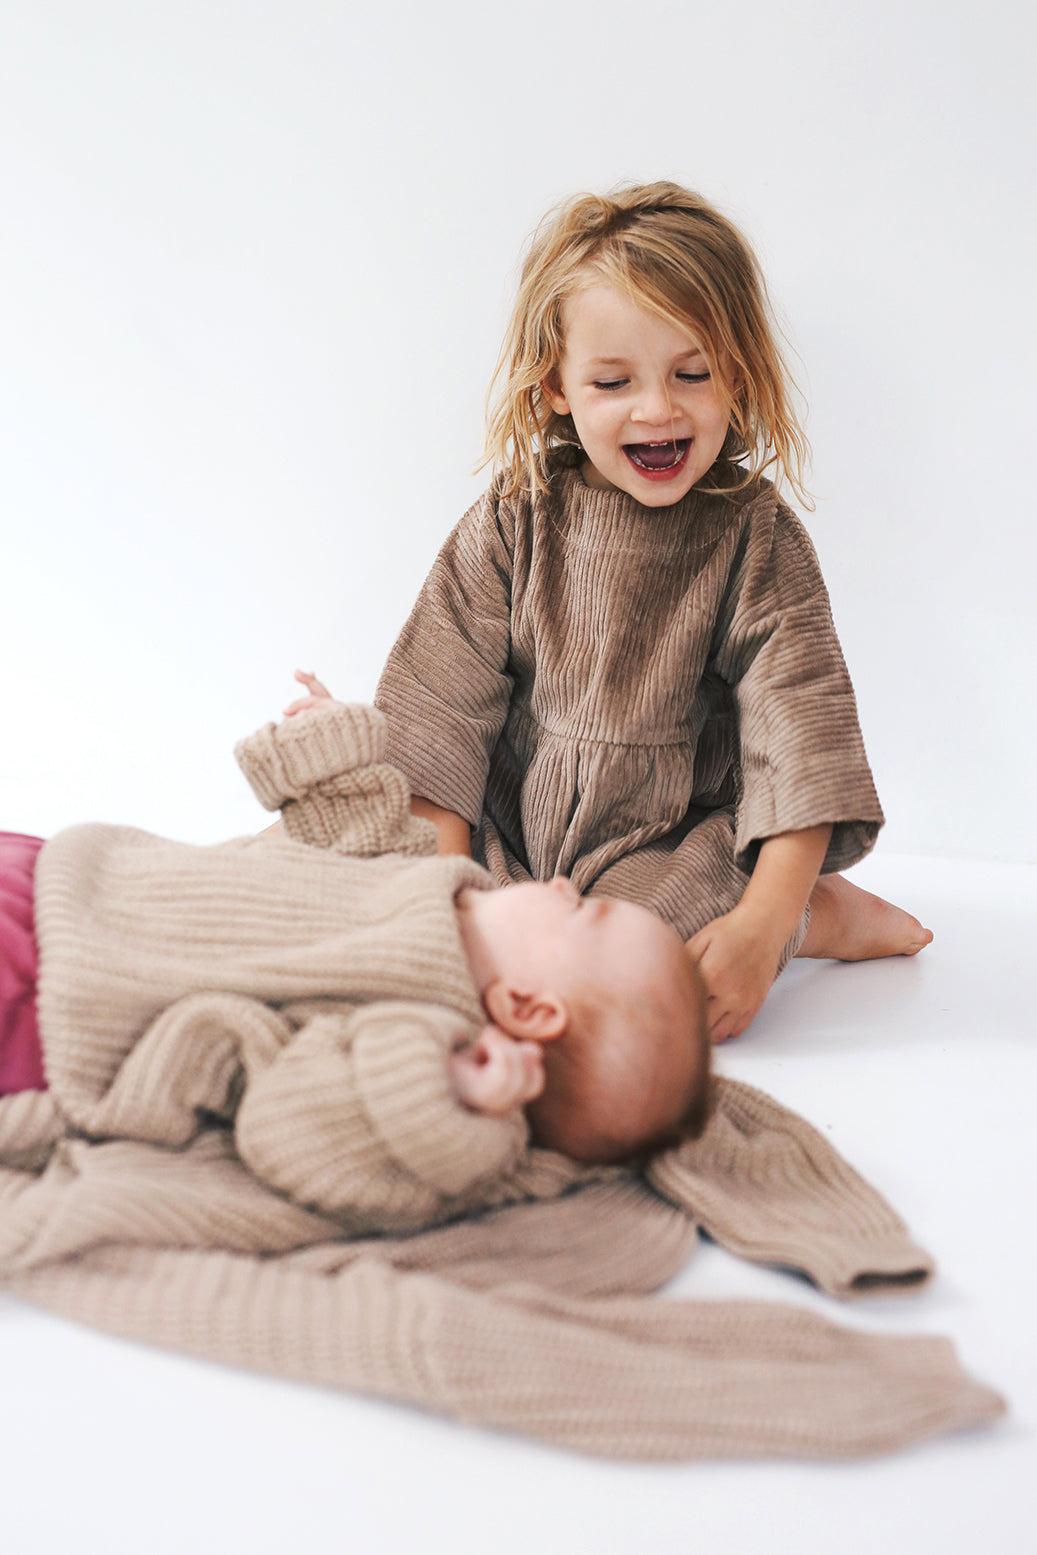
point(925, 1073)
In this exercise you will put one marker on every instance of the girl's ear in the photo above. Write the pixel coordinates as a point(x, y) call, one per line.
point(531, 1017)
point(551, 389)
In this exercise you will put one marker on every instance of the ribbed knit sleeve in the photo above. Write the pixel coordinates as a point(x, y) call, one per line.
point(801, 750)
point(768, 1186)
point(616, 1376)
point(324, 769)
point(445, 689)
point(355, 1117)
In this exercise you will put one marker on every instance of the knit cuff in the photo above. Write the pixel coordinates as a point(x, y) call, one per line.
point(404, 1087)
point(885, 1262)
point(30, 1126)
point(283, 761)
point(767, 1186)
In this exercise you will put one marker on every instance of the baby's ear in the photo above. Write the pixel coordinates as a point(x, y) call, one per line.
point(530, 1017)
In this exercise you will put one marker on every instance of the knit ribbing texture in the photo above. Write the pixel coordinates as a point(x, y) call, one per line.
point(246, 1048)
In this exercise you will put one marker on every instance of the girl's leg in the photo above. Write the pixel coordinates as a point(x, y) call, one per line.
point(696, 880)
point(689, 880)
point(848, 924)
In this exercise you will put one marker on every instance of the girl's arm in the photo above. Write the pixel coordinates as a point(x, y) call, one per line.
point(738, 954)
point(801, 755)
point(447, 687)
point(453, 833)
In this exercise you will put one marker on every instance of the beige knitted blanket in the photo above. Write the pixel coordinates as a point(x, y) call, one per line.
point(537, 1317)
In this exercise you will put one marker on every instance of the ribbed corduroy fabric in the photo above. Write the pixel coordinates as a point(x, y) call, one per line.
point(246, 1050)
point(593, 684)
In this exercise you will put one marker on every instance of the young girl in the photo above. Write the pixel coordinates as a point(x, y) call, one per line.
point(622, 666)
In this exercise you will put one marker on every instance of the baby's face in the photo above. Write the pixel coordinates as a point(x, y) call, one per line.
point(561, 939)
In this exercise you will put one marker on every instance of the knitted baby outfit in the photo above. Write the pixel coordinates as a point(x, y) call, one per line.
point(246, 1053)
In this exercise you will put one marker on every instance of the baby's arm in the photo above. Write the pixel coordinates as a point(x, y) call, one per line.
point(738, 954)
point(453, 833)
point(325, 770)
point(357, 1115)
point(318, 695)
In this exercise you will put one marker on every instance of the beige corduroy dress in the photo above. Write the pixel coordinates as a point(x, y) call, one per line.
point(635, 697)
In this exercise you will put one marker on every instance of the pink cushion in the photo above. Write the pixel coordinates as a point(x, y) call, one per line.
point(21, 1057)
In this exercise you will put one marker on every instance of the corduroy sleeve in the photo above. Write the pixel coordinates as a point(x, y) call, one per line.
point(355, 1117)
point(801, 751)
point(767, 1186)
point(325, 770)
point(445, 689)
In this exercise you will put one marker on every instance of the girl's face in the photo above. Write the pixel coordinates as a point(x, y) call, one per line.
point(641, 397)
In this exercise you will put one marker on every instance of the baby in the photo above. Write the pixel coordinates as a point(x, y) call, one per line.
point(388, 1035)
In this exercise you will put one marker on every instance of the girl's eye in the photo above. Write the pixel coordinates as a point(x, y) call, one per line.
point(611, 384)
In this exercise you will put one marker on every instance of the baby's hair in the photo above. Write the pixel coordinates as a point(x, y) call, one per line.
point(673, 254)
point(611, 1095)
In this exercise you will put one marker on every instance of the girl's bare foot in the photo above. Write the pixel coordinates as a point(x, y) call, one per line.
point(848, 924)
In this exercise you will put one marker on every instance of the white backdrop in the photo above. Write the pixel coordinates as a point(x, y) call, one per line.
point(254, 263)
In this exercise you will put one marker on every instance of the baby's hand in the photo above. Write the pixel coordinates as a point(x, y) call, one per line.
point(738, 962)
point(496, 1073)
point(319, 694)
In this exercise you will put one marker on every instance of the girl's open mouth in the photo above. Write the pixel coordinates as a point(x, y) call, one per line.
point(658, 461)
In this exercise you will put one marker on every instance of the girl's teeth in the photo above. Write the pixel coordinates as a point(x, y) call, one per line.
point(658, 456)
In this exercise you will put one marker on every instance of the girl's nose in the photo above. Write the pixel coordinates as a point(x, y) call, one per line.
point(653, 406)
point(564, 886)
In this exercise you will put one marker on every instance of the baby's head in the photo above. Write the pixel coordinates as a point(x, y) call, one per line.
point(670, 254)
point(598, 1022)
point(631, 1074)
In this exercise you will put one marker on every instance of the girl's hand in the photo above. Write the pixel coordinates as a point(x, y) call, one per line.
point(319, 694)
point(738, 961)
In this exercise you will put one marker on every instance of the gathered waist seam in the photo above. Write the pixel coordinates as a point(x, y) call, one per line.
point(573, 737)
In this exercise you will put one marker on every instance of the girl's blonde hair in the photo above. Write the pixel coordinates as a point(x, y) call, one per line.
point(672, 254)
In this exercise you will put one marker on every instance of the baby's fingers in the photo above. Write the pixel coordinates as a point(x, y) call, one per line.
point(315, 687)
point(319, 694)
